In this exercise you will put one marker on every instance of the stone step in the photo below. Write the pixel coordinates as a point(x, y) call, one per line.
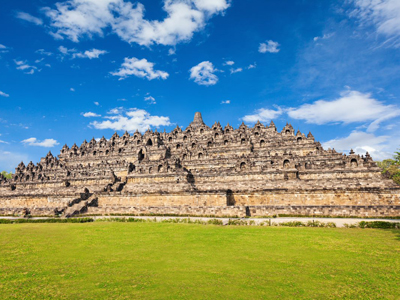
point(80, 207)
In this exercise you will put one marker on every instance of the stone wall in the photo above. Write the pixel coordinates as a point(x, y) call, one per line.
point(182, 210)
point(326, 210)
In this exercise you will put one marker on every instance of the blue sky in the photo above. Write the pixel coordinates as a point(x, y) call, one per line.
point(73, 70)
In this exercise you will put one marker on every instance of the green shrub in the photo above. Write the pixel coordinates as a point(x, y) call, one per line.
point(237, 222)
point(379, 224)
point(71, 220)
point(215, 222)
point(293, 224)
point(312, 223)
point(330, 225)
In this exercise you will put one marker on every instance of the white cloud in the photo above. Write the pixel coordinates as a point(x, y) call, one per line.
point(226, 102)
point(19, 62)
point(252, 66)
point(29, 18)
point(132, 120)
point(90, 114)
point(171, 51)
point(3, 142)
point(116, 111)
point(351, 107)
point(362, 142)
point(237, 70)
point(43, 52)
point(324, 37)
point(24, 66)
point(65, 50)
point(150, 99)
point(94, 53)
point(4, 94)
point(270, 46)
point(229, 63)
point(72, 89)
point(383, 14)
point(96, 103)
point(4, 49)
point(263, 115)
point(203, 73)
point(140, 68)
point(75, 19)
point(45, 143)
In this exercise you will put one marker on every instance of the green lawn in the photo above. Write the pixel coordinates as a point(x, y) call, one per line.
point(168, 261)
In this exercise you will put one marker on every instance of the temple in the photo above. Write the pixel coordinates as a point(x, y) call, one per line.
point(203, 171)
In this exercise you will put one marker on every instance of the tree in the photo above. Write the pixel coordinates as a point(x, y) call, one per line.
point(397, 157)
point(391, 167)
point(6, 175)
point(384, 164)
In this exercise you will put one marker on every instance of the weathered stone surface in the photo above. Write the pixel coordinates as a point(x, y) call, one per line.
point(202, 171)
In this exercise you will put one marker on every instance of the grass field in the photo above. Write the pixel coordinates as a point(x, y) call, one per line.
point(168, 261)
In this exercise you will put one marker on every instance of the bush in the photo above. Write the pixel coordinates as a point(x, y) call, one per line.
point(71, 220)
point(379, 224)
point(308, 224)
point(122, 220)
point(293, 224)
point(237, 222)
point(215, 222)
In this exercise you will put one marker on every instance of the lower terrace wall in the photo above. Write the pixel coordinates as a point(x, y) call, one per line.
point(179, 199)
point(365, 197)
point(331, 210)
point(323, 197)
point(266, 203)
point(34, 211)
point(8, 205)
point(185, 210)
point(252, 211)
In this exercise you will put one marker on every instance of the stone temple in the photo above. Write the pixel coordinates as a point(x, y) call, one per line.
point(202, 170)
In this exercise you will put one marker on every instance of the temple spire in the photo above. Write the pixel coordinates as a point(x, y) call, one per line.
point(197, 120)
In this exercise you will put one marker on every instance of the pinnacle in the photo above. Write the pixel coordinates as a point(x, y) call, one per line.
point(197, 120)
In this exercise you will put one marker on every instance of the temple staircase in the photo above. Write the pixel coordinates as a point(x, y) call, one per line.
point(78, 205)
point(117, 185)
